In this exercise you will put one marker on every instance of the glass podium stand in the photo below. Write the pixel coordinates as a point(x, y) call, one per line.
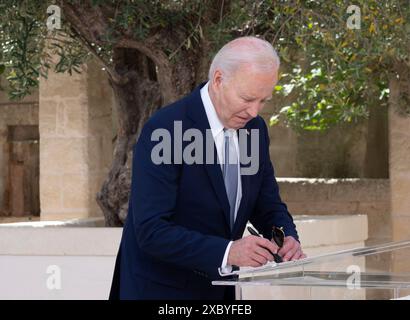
point(374, 272)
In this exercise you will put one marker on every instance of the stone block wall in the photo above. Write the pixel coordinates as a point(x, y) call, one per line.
point(327, 197)
point(76, 142)
point(354, 150)
point(342, 197)
point(400, 184)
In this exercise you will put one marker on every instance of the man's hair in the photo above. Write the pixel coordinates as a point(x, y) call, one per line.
point(241, 51)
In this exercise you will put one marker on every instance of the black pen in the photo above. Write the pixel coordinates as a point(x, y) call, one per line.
point(253, 231)
point(276, 257)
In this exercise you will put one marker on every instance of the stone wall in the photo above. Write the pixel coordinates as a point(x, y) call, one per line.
point(400, 183)
point(328, 197)
point(12, 113)
point(342, 197)
point(76, 142)
point(355, 150)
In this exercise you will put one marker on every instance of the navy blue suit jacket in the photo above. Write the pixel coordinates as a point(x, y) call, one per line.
point(177, 228)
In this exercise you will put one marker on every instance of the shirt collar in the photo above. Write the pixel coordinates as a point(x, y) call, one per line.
point(213, 119)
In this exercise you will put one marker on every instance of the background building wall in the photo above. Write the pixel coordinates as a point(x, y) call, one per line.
point(76, 142)
point(356, 150)
point(344, 197)
point(400, 183)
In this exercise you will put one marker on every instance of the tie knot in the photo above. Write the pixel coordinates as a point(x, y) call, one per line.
point(228, 132)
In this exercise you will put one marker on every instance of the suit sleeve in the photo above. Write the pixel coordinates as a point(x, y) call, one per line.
point(154, 193)
point(269, 209)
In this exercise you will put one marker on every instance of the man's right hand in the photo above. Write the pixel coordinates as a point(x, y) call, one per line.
point(251, 251)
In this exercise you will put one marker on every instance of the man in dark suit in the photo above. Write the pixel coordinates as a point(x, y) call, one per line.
point(188, 208)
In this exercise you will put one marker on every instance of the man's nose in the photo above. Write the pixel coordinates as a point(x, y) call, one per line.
point(253, 110)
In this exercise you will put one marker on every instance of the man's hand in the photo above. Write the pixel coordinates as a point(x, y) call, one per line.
point(251, 251)
point(291, 250)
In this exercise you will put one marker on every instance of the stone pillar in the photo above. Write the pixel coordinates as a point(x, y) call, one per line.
point(75, 125)
point(399, 157)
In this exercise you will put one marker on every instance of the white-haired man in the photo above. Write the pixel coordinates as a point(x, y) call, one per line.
point(186, 220)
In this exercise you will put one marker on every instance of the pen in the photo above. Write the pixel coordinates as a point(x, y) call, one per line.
point(276, 257)
point(253, 231)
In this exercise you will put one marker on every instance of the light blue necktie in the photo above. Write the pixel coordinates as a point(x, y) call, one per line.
point(230, 173)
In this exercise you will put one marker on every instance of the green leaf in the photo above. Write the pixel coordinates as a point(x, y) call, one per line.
point(274, 119)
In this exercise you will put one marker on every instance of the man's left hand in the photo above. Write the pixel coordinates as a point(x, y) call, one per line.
point(291, 250)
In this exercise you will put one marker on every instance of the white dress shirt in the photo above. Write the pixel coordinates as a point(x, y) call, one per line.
point(218, 135)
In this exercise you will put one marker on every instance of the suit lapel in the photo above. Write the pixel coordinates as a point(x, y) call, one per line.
point(196, 111)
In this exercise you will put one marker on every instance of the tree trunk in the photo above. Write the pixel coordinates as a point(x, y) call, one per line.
point(135, 101)
point(143, 78)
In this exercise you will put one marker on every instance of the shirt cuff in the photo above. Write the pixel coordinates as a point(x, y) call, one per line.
point(225, 268)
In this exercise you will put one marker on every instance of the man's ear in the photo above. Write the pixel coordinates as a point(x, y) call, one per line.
point(217, 79)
